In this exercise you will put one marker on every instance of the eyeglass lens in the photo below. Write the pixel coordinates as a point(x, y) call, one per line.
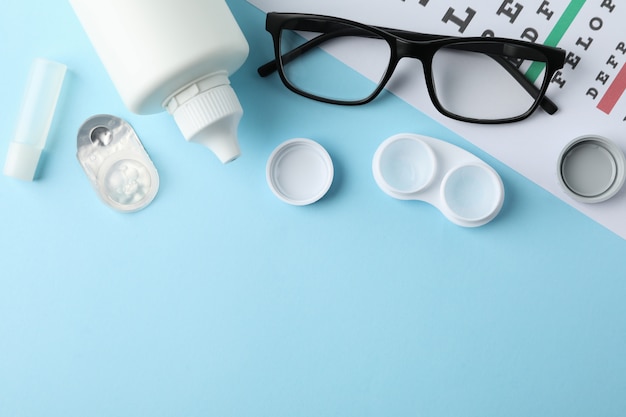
point(476, 85)
point(314, 71)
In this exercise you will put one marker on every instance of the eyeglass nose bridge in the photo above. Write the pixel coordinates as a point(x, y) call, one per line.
point(420, 50)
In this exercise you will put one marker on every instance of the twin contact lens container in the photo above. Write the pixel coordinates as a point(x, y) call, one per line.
point(465, 189)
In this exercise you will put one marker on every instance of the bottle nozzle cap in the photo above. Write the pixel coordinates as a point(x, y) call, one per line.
point(211, 118)
point(221, 138)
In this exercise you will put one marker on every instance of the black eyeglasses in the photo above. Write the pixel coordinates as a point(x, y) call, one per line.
point(479, 80)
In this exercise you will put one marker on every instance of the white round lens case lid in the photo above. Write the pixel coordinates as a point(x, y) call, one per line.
point(591, 169)
point(299, 171)
point(464, 188)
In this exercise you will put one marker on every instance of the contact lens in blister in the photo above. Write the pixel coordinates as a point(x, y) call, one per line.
point(116, 163)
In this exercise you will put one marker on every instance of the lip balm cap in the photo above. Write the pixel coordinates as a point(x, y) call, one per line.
point(22, 160)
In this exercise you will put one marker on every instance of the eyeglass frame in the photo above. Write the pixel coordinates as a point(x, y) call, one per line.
point(420, 46)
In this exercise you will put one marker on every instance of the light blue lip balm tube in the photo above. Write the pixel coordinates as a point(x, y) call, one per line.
point(40, 100)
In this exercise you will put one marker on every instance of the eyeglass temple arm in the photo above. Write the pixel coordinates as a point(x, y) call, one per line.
point(546, 104)
point(271, 66)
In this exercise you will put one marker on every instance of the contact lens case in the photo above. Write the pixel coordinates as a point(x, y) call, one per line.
point(464, 188)
point(116, 163)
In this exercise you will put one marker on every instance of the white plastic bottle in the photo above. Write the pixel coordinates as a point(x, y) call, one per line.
point(175, 55)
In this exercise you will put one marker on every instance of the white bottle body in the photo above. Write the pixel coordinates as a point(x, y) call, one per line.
point(154, 48)
point(175, 55)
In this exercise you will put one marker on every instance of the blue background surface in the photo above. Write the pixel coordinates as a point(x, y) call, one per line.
point(220, 300)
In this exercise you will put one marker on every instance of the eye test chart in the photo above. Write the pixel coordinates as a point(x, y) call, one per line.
point(590, 90)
